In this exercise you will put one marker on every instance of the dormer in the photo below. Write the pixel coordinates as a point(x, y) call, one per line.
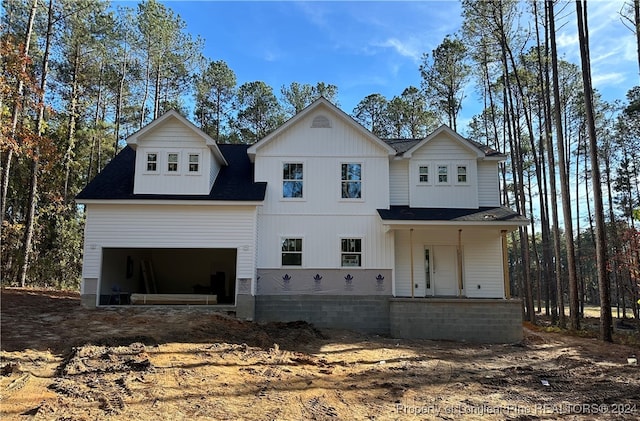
point(173, 156)
point(447, 170)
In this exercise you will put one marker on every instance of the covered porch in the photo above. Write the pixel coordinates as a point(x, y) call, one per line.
point(451, 278)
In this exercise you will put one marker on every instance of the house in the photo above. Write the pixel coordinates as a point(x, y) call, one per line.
point(320, 221)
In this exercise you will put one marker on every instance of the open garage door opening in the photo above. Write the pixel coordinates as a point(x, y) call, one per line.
point(168, 276)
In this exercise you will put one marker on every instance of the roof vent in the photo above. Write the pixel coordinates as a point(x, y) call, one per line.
point(321, 122)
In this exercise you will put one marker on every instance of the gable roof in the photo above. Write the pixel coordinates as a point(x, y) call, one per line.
point(319, 103)
point(234, 181)
point(406, 147)
point(133, 139)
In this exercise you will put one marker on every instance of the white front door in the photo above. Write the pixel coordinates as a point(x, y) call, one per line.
point(441, 270)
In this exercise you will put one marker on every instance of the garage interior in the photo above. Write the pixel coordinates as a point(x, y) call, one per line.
point(174, 272)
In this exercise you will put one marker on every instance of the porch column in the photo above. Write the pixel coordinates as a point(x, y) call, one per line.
point(460, 280)
point(505, 265)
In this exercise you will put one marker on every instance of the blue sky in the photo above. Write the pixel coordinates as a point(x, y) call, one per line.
point(376, 47)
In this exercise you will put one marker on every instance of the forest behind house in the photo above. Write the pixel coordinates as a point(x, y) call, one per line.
point(79, 76)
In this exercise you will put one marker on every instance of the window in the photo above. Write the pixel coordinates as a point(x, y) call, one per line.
point(462, 173)
point(351, 252)
point(194, 162)
point(443, 174)
point(152, 162)
point(172, 162)
point(292, 252)
point(351, 181)
point(423, 171)
point(292, 180)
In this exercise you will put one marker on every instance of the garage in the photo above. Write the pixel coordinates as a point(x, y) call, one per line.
point(204, 276)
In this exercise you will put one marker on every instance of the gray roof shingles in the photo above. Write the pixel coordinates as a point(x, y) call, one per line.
point(233, 183)
point(482, 214)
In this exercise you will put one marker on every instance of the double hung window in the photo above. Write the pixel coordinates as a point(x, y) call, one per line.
point(292, 252)
point(351, 252)
point(292, 180)
point(351, 176)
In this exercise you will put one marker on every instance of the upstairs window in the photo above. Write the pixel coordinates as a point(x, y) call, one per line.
point(292, 180)
point(351, 252)
point(443, 174)
point(423, 172)
point(462, 173)
point(152, 162)
point(351, 181)
point(194, 162)
point(172, 162)
point(292, 252)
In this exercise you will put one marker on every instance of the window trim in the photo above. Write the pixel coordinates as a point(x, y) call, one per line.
point(301, 252)
point(199, 163)
point(466, 174)
point(178, 169)
point(428, 174)
point(342, 253)
point(282, 180)
point(157, 162)
point(361, 181)
point(443, 183)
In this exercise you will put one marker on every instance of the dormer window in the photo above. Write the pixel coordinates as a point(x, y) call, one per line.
point(194, 162)
point(462, 174)
point(172, 162)
point(443, 174)
point(152, 162)
point(424, 173)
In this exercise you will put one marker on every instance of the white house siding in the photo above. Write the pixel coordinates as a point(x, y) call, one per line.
point(321, 236)
point(488, 187)
point(443, 151)
point(482, 260)
point(322, 151)
point(169, 226)
point(483, 263)
point(173, 136)
point(399, 182)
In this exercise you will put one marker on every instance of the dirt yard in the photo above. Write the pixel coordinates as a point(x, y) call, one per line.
point(61, 362)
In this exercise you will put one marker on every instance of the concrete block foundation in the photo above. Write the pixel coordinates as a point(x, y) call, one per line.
point(368, 313)
point(472, 320)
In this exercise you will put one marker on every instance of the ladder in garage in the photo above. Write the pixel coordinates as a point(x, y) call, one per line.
point(149, 278)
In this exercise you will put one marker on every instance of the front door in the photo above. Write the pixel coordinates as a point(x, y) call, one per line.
point(441, 270)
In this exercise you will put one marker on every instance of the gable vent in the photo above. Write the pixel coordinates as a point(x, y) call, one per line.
point(321, 122)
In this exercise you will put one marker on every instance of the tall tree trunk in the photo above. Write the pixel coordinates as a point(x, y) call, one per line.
point(636, 15)
point(71, 129)
point(146, 92)
point(564, 181)
point(606, 322)
point(33, 190)
point(552, 182)
point(6, 168)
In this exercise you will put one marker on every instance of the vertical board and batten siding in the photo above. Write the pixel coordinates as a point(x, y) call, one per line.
point(323, 217)
point(173, 136)
point(322, 151)
point(488, 184)
point(321, 236)
point(483, 264)
point(482, 260)
point(399, 182)
point(170, 226)
point(438, 151)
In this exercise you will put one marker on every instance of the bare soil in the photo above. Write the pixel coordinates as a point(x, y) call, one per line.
point(62, 362)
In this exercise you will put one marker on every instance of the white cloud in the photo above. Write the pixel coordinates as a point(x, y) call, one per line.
point(405, 49)
point(611, 78)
